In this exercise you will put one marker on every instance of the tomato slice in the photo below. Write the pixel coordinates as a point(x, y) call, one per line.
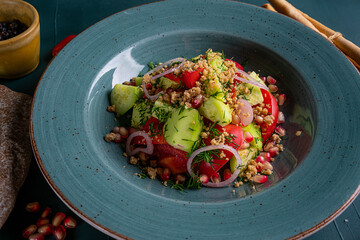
point(170, 157)
point(189, 79)
point(273, 109)
point(156, 128)
point(237, 140)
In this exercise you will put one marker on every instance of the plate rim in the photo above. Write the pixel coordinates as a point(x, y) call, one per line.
point(115, 234)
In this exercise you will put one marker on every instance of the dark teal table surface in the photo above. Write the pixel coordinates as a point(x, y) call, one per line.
point(60, 18)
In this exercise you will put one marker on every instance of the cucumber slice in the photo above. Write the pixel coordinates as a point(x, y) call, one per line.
point(216, 111)
point(141, 113)
point(138, 81)
point(215, 89)
point(182, 130)
point(161, 110)
point(246, 155)
point(168, 83)
point(124, 97)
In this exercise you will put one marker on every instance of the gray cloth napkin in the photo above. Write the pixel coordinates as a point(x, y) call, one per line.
point(15, 147)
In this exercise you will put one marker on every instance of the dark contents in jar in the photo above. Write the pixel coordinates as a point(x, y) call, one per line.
point(11, 29)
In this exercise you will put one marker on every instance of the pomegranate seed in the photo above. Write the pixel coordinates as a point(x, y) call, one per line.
point(260, 159)
point(198, 100)
point(29, 230)
point(46, 212)
point(259, 178)
point(42, 221)
point(148, 86)
point(158, 90)
point(266, 156)
point(165, 174)
point(248, 137)
point(280, 130)
point(268, 145)
point(133, 83)
point(116, 130)
point(144, 96)
point(123, 132)
point(215, 178)
point(169, 90)
point(281, 118)
point(36, 236)
point(33, 207)
point(179, 178)
point(245, 145)
point(227, 174)
point(270, 80)
point(259, 120)
point(46, 229)
point(263, 79)
point(274, 151)
point(267, 166)
point(204, 178)
point(272, 88)
point(69, 222)
point(59, 233)
point(281, 99)
point(58, 218)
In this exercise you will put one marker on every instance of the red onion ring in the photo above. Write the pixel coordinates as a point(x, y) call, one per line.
point(251, 81)
point(182, 60)
point(151, 97)
point(149, 145)
point(245, 107)
point(212, 147)
point(167, 71)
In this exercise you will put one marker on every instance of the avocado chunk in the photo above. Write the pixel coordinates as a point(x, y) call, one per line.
point(246, 155)
point(141, 113)
point(216, 111)
point(124, 97)
point(256, 133)
point(182, 130)
point(168, 83)
point(161, 110)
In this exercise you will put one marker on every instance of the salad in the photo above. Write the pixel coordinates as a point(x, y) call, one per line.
point(199, 122)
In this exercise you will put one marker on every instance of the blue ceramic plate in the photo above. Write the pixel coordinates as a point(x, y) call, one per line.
point(315, 178)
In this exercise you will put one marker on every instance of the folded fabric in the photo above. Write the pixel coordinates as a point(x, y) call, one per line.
point(15, 148)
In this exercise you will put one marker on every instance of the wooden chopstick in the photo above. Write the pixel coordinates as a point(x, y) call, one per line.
point(350, 50)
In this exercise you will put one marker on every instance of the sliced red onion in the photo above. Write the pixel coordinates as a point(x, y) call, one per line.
point(151, 97)
point(251, 81)
point(246, 113)
point(213, 147)
point(149, 149)
point(167, 71)
point(182, 60)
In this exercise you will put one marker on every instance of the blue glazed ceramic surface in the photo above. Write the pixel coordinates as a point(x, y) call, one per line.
point(314, 178)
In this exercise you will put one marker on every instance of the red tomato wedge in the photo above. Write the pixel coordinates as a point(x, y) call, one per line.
point(156, 129)
point(217, 163)
point(189, 79)
point(170, 157)
point(273, 109)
